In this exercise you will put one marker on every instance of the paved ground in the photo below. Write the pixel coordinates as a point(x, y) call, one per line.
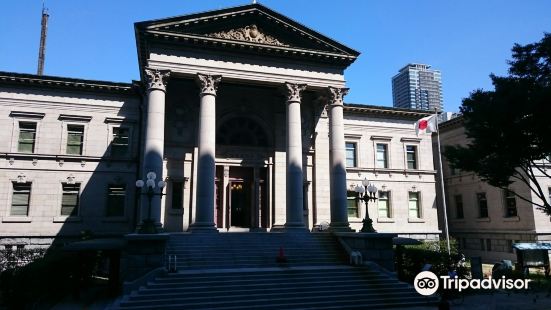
point(501, 301)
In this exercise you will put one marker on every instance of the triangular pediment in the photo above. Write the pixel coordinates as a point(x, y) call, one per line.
point(254, 26)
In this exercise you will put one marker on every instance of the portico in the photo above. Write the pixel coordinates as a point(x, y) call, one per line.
point(251, 96)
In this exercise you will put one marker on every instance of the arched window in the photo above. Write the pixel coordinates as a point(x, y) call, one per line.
point(241, 131)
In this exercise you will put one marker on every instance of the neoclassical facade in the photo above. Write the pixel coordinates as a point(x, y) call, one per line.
point(240, 111)
point(486, 220)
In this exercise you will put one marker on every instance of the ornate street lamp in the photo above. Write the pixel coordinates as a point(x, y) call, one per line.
point(148, 225)
point(366, 194)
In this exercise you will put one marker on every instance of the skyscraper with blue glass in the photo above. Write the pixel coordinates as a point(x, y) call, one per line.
point(417, 86)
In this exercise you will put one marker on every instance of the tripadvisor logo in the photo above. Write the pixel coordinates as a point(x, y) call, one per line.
point(426, 283)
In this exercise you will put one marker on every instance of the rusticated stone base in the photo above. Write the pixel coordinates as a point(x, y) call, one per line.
point(374, 247)
point(143, 253)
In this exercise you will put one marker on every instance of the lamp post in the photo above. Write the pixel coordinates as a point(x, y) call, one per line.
point(148, 224)
point(366, 193)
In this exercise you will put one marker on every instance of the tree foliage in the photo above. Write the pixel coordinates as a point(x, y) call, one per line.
point(509, 128)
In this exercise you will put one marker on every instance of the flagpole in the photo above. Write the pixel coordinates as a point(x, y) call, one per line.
point(442, 184)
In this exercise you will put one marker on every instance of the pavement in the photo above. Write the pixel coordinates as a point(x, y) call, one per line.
point(501, 301)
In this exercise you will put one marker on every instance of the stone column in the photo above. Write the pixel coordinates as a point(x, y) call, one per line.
point(154, 136)
point(337, 160)
point(294, 219)
point(206, 169)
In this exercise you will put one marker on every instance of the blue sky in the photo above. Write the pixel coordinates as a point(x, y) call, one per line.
point(467, 40)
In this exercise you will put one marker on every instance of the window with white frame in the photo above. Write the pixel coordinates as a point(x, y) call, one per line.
point(381, 155)
point(482, 205)
point(120, 145)
point(458, 199)
point(351, 160)
point(411, 156)
point(383, 204)
point(115, 200)
point(510, 203)
point(414, 205)
point(75, 139)
point(352, 204)
point(70, 199)
point(20, 199)
point(27, 137)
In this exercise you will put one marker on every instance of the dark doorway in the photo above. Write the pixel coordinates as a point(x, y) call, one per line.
point(240, 203)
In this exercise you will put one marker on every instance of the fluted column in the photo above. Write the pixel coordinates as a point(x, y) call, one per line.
point(337, 160)
point(206, 169)
point(154, 135)
point(295, 217)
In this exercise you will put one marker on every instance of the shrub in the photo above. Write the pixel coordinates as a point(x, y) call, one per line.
point(46, 280)
point(429, 252)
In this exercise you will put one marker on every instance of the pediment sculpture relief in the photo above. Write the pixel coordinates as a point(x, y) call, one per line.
point(248, 33)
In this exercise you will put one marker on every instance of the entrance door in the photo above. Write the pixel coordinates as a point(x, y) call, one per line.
point(240, 203)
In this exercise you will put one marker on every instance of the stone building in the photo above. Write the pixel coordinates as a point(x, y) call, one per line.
point(240, 111)
point(486, 220)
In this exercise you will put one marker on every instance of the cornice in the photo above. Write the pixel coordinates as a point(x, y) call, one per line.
point(248, 47)
point(23, 79)
point(385, 111)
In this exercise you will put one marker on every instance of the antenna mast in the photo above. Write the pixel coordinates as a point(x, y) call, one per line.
point(43, 32)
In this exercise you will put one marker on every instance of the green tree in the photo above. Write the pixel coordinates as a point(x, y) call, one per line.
point(509, 128)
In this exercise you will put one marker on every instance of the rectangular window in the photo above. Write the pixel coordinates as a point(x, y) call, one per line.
point(382, 155)
point(115, 200)
point(482, 244)
point(352, 204)
point(350, 154)
point(384, 204)
point(20, 199)
point(70, 199)
point(414, 207)
point(75, 139)
point(411, 154)
point(510, 203)
point(119, 146)
point(488, 244)
point(509, 246)
point(458, 206)
point(482, 205)
point(177, 195)
point(27, 137)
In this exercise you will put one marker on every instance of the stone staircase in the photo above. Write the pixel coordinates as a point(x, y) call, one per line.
point(239, 271)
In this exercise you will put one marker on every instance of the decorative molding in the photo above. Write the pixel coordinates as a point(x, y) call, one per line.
point(355, 136)
point(416, 140)
point(248, 33)
point(71, 179)
point(74, 118)
point(21, 178)
point(156, 79)
point(294, 91)
point(336, 95)
point(117, 120)
point(381, 138)
point(23, 114)
point(208, 83)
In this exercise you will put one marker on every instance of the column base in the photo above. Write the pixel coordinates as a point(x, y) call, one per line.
point(149, 226)
point(203, 228)
point(340, 227)
point(295, 227)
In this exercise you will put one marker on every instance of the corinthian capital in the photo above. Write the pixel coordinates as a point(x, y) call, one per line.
point(208, 83)
point(156, 79)
point(336, 95)
point(294, 91)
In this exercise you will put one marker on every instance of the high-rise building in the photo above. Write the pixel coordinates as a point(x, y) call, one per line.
point(417, 86)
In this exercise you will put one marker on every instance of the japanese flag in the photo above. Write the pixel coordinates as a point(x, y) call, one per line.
point(426, 125)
